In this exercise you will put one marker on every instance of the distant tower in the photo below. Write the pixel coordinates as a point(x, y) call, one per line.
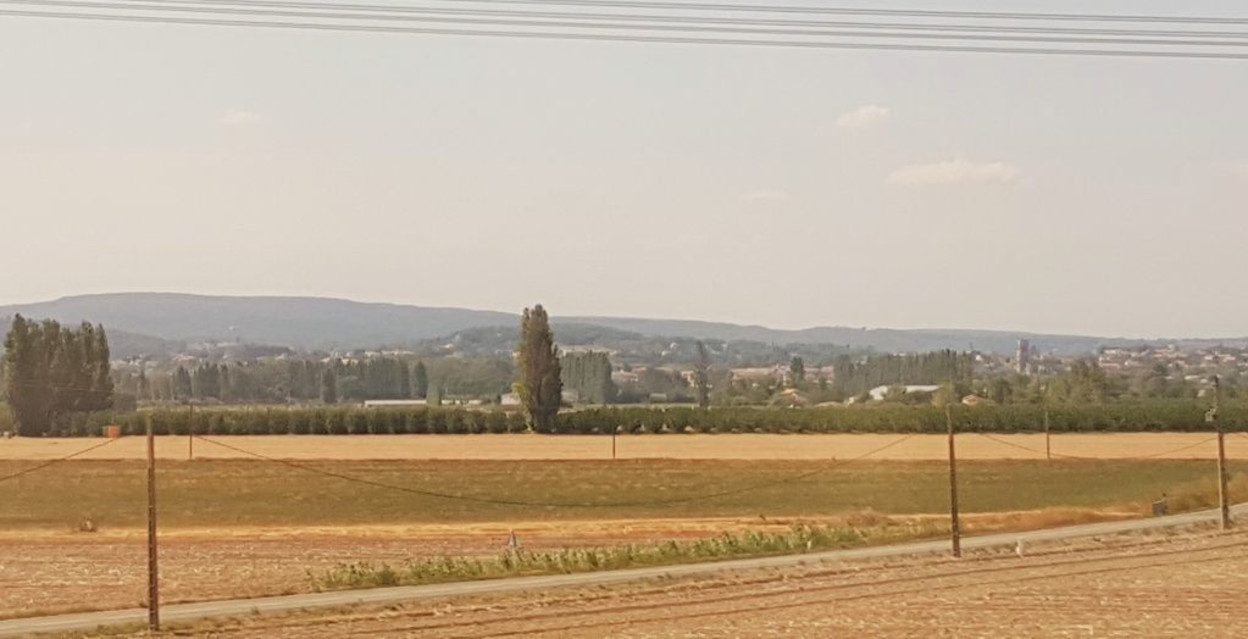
point(1024, 356)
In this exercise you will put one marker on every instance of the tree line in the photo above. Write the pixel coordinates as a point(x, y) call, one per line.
point(295, 380)
point(588, 374)
point(854, 378)
point(1160, 415)
point(51, 371)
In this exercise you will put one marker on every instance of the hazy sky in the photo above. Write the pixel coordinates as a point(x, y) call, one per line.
point(782, 187)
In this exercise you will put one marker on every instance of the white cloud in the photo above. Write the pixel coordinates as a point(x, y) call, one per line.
point(235, 117)
point(767, 195)
point(956, 171)
point(863, 117)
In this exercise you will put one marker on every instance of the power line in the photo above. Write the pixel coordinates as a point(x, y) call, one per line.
point(606, 37)
point(678, 28)
point(542, 504)
point(908, 13)
point(32, 469)
point(163, 5)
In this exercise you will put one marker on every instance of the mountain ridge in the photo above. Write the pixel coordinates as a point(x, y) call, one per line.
point(320, 323)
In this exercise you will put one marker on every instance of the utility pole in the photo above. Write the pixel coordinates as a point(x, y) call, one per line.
point(190, 436)
point(954, 530)
point(1223, 498)
point(153, 580)
point(1048, 444)
point(614, 432)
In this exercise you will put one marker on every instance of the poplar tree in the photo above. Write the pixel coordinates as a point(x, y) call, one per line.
point(540, 387)
point(329, 387)
point(702, 377)
point(797, 370)
point(50, 371)
point(420, 381)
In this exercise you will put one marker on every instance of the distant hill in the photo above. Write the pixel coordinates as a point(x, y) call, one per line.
point(307, 323)
point(298, 322)
point(632, 348)
point(881, 339)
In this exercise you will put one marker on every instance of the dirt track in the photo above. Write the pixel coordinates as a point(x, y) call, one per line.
point(737, 447)
point(1186, 586)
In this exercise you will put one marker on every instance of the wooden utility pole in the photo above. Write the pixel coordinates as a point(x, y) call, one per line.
point(1048, 444)
point(614, 432)
point(190, 436)
point(1224, 503)
point(954, 530)
point(153, 580)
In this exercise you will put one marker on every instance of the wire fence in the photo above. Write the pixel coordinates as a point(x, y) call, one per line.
point(1042, 452)
point(53, 462)
point(548, 504)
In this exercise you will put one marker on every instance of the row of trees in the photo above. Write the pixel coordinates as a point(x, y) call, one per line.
point(588, 374)
point(853, 378)
point(51, 371)
point(1182, 415)
point(310, 380)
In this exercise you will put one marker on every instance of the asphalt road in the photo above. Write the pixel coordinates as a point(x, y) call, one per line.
point(236, 607)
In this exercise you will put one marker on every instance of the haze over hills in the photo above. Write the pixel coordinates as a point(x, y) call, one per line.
point(305, 323)
point(308, 323)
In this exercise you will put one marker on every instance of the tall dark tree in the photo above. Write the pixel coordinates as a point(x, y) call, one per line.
point(797, 370)
point(405, 381)
point(98, 361)
point(28, 394)
point(420, 381)
point(702, 377)
point(540, 387)
point(182, 387)
point(329, 387)
point(589, 374)
point(143, 389)
point(51, 371)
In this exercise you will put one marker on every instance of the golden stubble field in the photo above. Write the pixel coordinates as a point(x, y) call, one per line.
point(693, 447)
point(234, 526)
point(1158, 585)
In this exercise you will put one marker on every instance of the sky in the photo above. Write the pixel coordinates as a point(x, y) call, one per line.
point(788, 188)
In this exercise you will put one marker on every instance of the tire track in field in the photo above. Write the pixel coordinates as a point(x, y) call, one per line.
point(932, 573)
point(806, 602)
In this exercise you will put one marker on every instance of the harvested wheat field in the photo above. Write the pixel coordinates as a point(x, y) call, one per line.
point(61, 572)
point(1182, 585)
point(592, 447)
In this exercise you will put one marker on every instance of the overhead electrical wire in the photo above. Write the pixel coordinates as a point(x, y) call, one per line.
point(370, 10)
point(615, 37)
point(234, 9)
point(854, 11)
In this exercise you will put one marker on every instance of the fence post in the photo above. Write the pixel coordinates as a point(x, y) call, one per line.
point(1224, 504)
point(153, 579)
point(954, 529)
